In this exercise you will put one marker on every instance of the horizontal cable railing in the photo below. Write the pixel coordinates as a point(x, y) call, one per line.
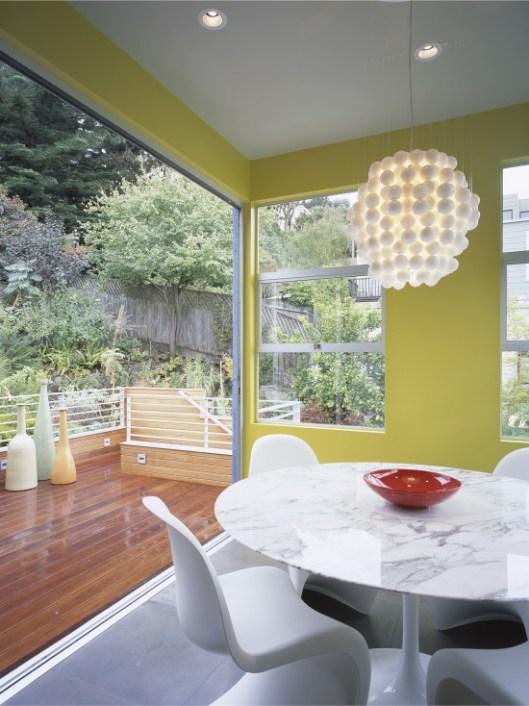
point(167, 417)
point(280, 411)
point(181, 419)
point(89, 411)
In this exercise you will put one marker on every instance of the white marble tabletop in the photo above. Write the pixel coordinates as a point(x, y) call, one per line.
point(324, 519)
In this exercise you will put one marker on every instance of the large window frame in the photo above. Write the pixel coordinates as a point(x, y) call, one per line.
point(306, 275)
point(508, 345)
point(144, 142)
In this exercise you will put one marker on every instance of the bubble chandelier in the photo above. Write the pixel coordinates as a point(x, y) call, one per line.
point(413, 214)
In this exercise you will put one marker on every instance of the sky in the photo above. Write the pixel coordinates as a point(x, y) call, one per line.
point(516, 181)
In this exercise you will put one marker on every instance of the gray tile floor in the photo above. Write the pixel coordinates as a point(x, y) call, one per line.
point(145, 658)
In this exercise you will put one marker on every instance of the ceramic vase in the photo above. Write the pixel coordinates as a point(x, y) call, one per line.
point(21, 473)
point(63, 470)
point(43, 436)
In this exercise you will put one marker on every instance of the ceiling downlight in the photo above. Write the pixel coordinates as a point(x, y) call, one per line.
point(428, 52)
point(212, 18)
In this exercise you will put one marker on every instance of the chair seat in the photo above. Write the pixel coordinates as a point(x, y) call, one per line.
point(496, 676)
point(316, 680)
point(268, 616)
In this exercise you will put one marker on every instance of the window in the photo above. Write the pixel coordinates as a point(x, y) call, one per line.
point(524, 214)
point(508, 214)
point(515, 314)
point(321, 348)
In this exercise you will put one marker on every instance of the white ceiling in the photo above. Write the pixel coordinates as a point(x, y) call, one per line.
point(286, 75)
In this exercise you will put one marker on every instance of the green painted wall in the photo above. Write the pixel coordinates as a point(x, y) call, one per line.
point(442, 343)
point(61, 42)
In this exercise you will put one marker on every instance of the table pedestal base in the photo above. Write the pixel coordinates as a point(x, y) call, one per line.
point(391, 683)
point(399, 676)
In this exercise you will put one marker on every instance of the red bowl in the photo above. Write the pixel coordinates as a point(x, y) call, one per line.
point(408, 487)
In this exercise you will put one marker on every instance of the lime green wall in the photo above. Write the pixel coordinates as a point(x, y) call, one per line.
point(442, 343)
point(61, 42)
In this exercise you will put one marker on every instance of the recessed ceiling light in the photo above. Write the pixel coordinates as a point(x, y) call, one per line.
point(212, 18)
point(427, 52)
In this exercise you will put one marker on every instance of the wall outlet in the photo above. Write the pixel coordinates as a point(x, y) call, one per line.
point(142, 458)
point(106, 441)
point(3, 465)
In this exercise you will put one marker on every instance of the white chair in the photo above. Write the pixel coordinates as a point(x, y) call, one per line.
point(457, 676)
point(448, 613)
point(275, 451)
point(292, 654)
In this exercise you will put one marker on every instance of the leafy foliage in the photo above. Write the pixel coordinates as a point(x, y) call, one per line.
point(343, 388)
point(312, 233)
point(21, 279)
point(33, 252)
point(54, 156)
point(163, 231)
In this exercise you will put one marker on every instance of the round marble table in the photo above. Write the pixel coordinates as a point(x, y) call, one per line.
point(325, 520)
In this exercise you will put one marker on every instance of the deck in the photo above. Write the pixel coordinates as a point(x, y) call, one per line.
point(67, 552)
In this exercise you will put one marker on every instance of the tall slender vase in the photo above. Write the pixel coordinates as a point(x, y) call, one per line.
point(21, 473)
point(63, 470)
point(43, 435)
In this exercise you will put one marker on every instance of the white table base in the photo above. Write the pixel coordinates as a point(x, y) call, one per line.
point(399, 676)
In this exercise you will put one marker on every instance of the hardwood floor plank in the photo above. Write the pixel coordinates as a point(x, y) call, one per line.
point(68, 552)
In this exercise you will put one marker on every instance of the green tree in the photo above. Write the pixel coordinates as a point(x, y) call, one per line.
point(53, 155)
point(166, 232)
point(313, 234)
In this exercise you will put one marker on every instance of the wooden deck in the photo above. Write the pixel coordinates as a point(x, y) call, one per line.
point(67, 552)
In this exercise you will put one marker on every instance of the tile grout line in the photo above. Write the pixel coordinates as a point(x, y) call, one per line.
point(26, 673)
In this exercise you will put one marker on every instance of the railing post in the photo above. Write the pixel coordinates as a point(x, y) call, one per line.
point(206, 431)
point(129, 417)
point(122, 415)
point(296, 412)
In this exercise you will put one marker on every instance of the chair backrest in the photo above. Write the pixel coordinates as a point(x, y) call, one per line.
point(514, 465)
point(274, 451)
point(200, 603)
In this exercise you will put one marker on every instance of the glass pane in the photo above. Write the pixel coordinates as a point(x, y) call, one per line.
point(299, 235)
point(344, 310)
point(515, 208)
point(322, 388)
point(518, 302)
point(515, 395)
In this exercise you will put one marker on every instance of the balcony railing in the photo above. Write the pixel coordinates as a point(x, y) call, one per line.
point(160, 417)
point(280, 411)
point(89, 411)
point(365, 289)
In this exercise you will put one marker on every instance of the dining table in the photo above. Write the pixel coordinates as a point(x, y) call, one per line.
point(324, 519)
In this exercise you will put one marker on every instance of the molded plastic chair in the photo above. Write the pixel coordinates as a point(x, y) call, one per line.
point(293, 655)
point(275, 451)
point(457, 676)
point(448, 613)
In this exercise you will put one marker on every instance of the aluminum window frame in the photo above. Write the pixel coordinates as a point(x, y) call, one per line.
point(307, 275)
point(519, 257)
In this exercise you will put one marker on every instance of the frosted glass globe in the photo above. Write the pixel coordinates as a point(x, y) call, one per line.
point(412, 217)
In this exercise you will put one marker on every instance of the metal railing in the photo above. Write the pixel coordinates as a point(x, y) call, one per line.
point(174, 419)
point(280, 411)
point(171, 418)
point(365, 289)
point(89, 411)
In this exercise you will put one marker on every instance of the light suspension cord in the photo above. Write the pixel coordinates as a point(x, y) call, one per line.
point(410, 83)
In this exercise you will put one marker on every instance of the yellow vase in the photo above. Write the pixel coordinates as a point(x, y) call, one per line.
point(63, 470)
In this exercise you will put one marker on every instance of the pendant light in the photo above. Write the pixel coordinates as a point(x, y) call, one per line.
point(413, 214)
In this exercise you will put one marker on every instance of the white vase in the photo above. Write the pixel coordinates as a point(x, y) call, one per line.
point(43, 436)
point(21, 473)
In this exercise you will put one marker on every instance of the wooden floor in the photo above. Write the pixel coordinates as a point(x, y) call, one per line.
point(67, 552)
